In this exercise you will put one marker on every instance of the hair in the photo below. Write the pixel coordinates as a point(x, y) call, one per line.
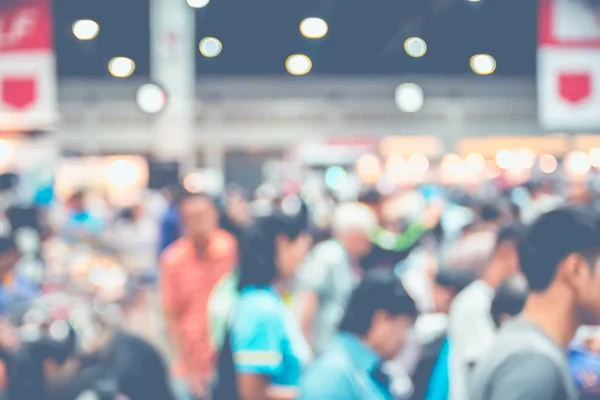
point(258, 249)
point(510, 298)
point(7, 244)
point(510, 233)
point(489, 212)
point(370, 197)
point(551, 238)
point(454, 279)
point(182, 195)
point(353, 216)
point(379, 290)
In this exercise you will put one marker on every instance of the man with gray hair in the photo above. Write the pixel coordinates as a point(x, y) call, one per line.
point(330, 272)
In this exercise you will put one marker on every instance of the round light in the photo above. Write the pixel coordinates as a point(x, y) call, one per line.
point(314, 28)
point(505, 159)
point(415, 47)
point(409, 97)
point(595, 157)
point(368, 168)
point(298, 64)
point(453, 164)
point(122, 174)
point(475, 163)
point(198, 3)
point(121, 67)
point(548, 163)
point(483, 64)
point(395, 165)
point(335, 178)
point(151, 98)
point(578, 162)
point(86, 29)
point(194, 182)
point(210, 47)
point(418, 164)
point(525, 158)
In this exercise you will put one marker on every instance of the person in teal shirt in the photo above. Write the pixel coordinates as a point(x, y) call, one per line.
point(264, 351)
point(378, 316)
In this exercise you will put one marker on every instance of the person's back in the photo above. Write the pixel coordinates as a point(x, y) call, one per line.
point(522, 364)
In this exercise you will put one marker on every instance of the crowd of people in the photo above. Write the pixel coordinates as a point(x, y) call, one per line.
point(467, 298)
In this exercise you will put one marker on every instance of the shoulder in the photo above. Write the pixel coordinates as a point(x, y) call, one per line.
point(476, 297)
point(175, 253)
point(527, 374)
point(258, 305)
point(335, 367)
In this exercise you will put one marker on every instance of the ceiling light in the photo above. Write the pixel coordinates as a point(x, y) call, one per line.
point(86, 29)
point(121, 67)
point(483, 64)
point(314, 28)
point(210, 47)
point(415, 47)
point(298, 64)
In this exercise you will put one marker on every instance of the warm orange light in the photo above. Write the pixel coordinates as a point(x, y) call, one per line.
point(418, 164)
point(475, 163)
point(505, 159)
point(548, 163)
point(368, 168)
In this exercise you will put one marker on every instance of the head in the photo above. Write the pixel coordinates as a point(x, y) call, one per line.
point(274, 247)
point(199, 217)
point(504, 260)
point(373, 199)
point(490, 213)
point(77, 201)
point(381, 312)
point(510, 299)
point(9, 256)
point(354, 224)
point(447, 283)
point(559, 257)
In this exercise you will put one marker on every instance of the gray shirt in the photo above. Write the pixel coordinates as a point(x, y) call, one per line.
point(523, 364)
point(328, 272)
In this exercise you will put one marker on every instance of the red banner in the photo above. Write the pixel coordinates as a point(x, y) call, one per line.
point(569, 65)
point(27, 65)
point(26, 25)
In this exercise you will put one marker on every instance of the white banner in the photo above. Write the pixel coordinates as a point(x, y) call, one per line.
point(569, 65)
point(28, 99)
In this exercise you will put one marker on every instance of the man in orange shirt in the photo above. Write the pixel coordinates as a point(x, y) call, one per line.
point(191, 267)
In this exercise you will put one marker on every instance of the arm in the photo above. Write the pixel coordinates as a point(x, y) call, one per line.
point(312, 280)
point(337, 386)
point(256, 347)
point(525, 377)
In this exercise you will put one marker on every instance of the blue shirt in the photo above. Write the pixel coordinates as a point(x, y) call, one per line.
point(345, 372)
point(19, 292)
point(585, 369)
point(265, 338)
point(83, 222)
point(169, 228)
point(439, 382)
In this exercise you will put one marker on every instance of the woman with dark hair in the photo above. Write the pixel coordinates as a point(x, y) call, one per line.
point(264, 350)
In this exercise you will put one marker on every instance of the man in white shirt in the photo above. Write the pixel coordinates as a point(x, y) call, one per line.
point(471, 327)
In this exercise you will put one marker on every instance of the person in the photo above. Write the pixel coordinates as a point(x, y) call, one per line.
point(135, 236)
point(81, 224)
point(541, 200)
point(170, 225)
point(389, 248)
point(472, 250)
point(584, 362)
point(509, 300)
point(191, 267)
point(559, 257)
point(16, 291)
point(379, 314)
point(471, 328)
point(264, 351)
point(330, 272)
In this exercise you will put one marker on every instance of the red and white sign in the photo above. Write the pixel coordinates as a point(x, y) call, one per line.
point(569, 65)
point(28, 99)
